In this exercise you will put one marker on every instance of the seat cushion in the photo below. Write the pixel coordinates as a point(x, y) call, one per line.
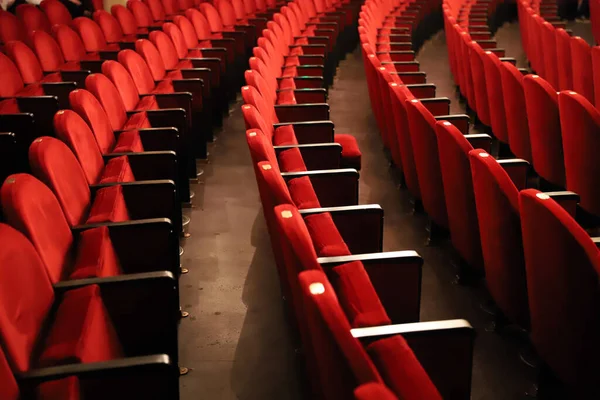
point(96, 256)
point(109, 206)
point(176, 74)
point(401, 370)
point(165, 86)
point(291, 161)
point(51, 78)
point(129, 142)
point(117, 170)
point(302, 193)
point(351, 155)
point(284, 136)
point(82, 331)
point(286, 96)
point(287, 83)
point(325, 236)
point(147, 103)
point(9, 106)
point(35, 89)
point(138, 121)
point(70, 66)
point(62, 389)
point(357, 295)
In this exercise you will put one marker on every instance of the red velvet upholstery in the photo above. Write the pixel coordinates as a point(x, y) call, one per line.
point(49, 52)
point(460, 200)
point(563, 51)
point(71, 45)
point(424, 143)
point(541, 101)
point(290, 160)
point(110, 27)
point(92, 36)
point(126, 87)
point(11, 28)
point(548, 36)
point(303, 193)
point(596, 73)
point(583, 76)
point(27, 63)
point(373, 391)
point(516, 112)
point(327, 240)
point(126, 20)
point(477, 55)
point(496, 199)
point(33, 18)
point(493, 65)
point(96, 255)
point(56, 12)
point(82, 331)
point(139, 71)
point(109, 206)
point(580, 121)
point(563, 265)
point(117, 170)
point(141, 12)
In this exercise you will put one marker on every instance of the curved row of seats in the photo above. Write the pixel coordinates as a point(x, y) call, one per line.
point(109, 131)
point(537, 258)
point(354, 307)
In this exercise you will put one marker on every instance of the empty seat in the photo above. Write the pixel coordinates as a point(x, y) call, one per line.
point(541, 101)
point(33, 18)
point(93, 39)
point(516, 113)
point(580, 122)
point(497, 204)
point(550, 54)
point(493, 65)
point(563, 54)
point(127, 21)
point(11, 28)
point(143, 15)
point(563, 264)
point(113, 33)
point(596, 72)
point(56, 12)
point(581, 65)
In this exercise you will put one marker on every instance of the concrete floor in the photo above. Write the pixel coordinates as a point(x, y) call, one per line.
point(236, 342)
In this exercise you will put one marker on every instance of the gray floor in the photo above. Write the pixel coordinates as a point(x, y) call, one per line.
point(235, 341)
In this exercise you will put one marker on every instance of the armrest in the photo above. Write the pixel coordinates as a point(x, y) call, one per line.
point(461, 121)
point(94, 66)
point(497, 52)
point(163, 193)
point(396, 277)
point(108, 54)
point(204, 74)
point(312, 132)
point(404, 66)
point(177, 100)
point(318, 155)
point(566, 199)
point(171, 121)
point(412, 77)
point(437, 105)
point(422, 91)
point(510, 60)
point(309, 70)
point(308, 49)
point(524, 71)
point(304, 96)
point(397, 47)
point(158, 139)
point(307, 82)
point(302, 112)
point(517, 169)
point(60, 90)
point(444, 349)
point(480, 141)
point(152, 376)
point(337, 187)
point(400, 55)
point(75, 76)
point(361, 226)
point(144, 309)
point(150, 165)
point(393, 30)
point(193, 86)
point(143, 245)
point(211, 63)
point(317, 59)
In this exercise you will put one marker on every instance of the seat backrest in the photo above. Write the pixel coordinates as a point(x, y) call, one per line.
point(185, 4)
point(12, 82)
point(171, 7)
point(250, 7)
point(33, 18)
point(550, 56)
point(150, 53)
point(256, 80)
point(541, 101)
point(54, 163)
point(123, 82)
point(56, 12)
point(596, 71)
point(141, 12)
point(162, 42)
point(421, 125)
point(199, 22)
point(454, 151)
point(125, 18)
point(492, 65)
point(238, 9)
point(581, 65)
point(25, 60)
point(109, 25)
point(27, 297)
point(477, 54)
point(156, 9)
point(226, 12)
point(90, 33)
point(89, 108)
point(563, 55)
point(70, 43)
point(254, 120)
point(580, 124)
point(138, 70)
point(187, 29)
point(563, 265)
point(516, 113)
point(253, 97)
point(11, 28)
point(212, 16)
point(75, 132)
point(497, 204)
point(110, 99)
point(177, 38)
point(31, 207)
point(48, 51)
